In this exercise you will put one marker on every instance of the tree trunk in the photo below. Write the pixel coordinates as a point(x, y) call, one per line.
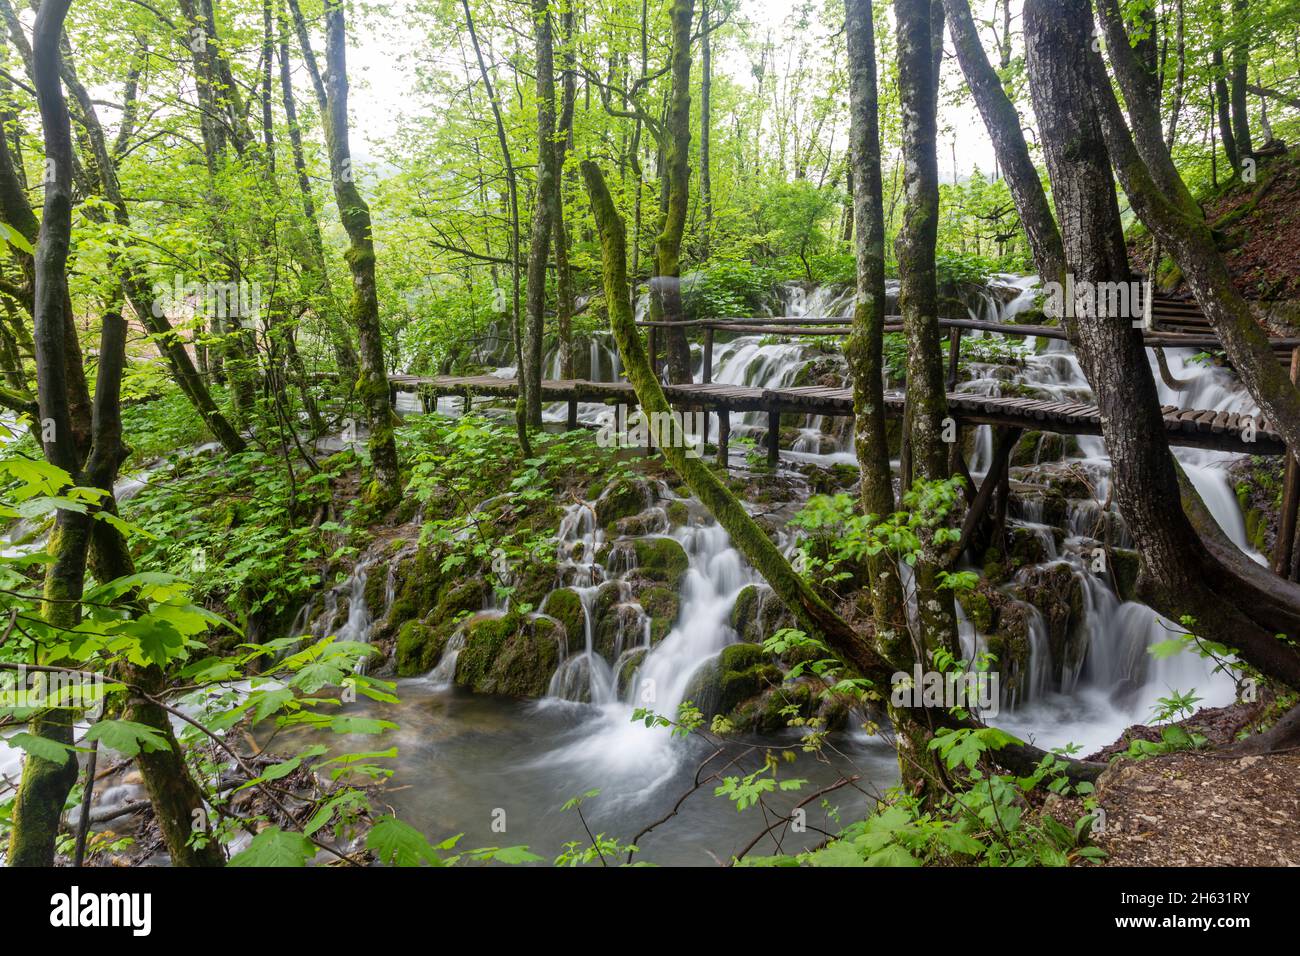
point(360, 256)
point(666, 293)
point(918, 294)
point(1004, 129)
point(1186, 569)
point(512, 189)
point(706, 122)
point(1240, 64)
point(345, 354)
point(545, 212)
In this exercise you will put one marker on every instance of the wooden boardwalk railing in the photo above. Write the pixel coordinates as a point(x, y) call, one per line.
point(1199, 428)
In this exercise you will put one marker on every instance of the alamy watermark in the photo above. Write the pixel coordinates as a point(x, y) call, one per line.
point(670, 429)
point(974, 690)
point(29, 688)
point(215, 300)
point(1102, 300)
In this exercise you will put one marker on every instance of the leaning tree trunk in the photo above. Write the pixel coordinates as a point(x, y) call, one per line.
point(918, 294)
point(706, 122)
point(1003, 125)
point(1165, 205)
point(666, 293)
point(545, 212)
point(373, 390)
point(809, 610)
point(1183, 572)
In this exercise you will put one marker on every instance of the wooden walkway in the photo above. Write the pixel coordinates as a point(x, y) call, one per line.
point(1198, 428)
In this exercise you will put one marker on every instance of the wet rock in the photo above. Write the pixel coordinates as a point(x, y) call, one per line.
point(660, 559)
point(627, 668)
point(513, 654)
point(1055, 590)
point(565, 605)
point(757, 614)
point(1036, 448)
point(661, 605)
point(622, 499)
point(738, 673)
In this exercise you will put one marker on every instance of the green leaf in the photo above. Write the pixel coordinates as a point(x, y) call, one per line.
point(41, 747)
point(276, 847)
point(400, 844)
point(127, 737)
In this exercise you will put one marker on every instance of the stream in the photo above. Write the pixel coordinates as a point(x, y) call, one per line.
point(499, 769)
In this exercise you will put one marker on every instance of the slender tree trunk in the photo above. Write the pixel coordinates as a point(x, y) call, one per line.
point(355, 213)
point(1240, 65)
point(564, 295)
point(866, 361)
point(667, 292)
point(706, 122)
point(1004, 129)
point(345, 354)
point(545, 212)
point(512, 188)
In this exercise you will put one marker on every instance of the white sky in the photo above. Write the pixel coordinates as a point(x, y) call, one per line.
point(381, 58)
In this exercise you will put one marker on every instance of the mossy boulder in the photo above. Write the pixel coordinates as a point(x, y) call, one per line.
point(419, 582)
point(757, 614)
point(660, 559)
point(738, 673)
point(622, 499)
point(1011, 648)
point(419, 646)
point(661, 605)
point(513, 654)
point(678, 513)
point(1026, 547)
point(1036, 447)
point(565, 605)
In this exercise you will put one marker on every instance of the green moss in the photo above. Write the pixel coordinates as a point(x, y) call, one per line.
point(565, 606)
point(661, 605)
point(622, 499)
point(512, 655)
point(627, 670)
point(420, 645)
point(661, 559)
point(678, 513)
point(978, 610)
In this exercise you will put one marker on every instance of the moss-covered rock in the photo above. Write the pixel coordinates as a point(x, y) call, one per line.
point(565, 605)
point(978, 609)
point(678, 513)
point(513, 654)
point(738, 673)
point(660, 559)
point(661, 605)
point(757, 614)
point(622, 499)
point(419, 581)
point(419, 646)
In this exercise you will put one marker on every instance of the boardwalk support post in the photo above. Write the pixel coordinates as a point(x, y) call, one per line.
point(954, 355)
point(572, 423)
point(773, 436)
point(1004, 442)
point(706, 369)
point(724, 435)
point(468, 402)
